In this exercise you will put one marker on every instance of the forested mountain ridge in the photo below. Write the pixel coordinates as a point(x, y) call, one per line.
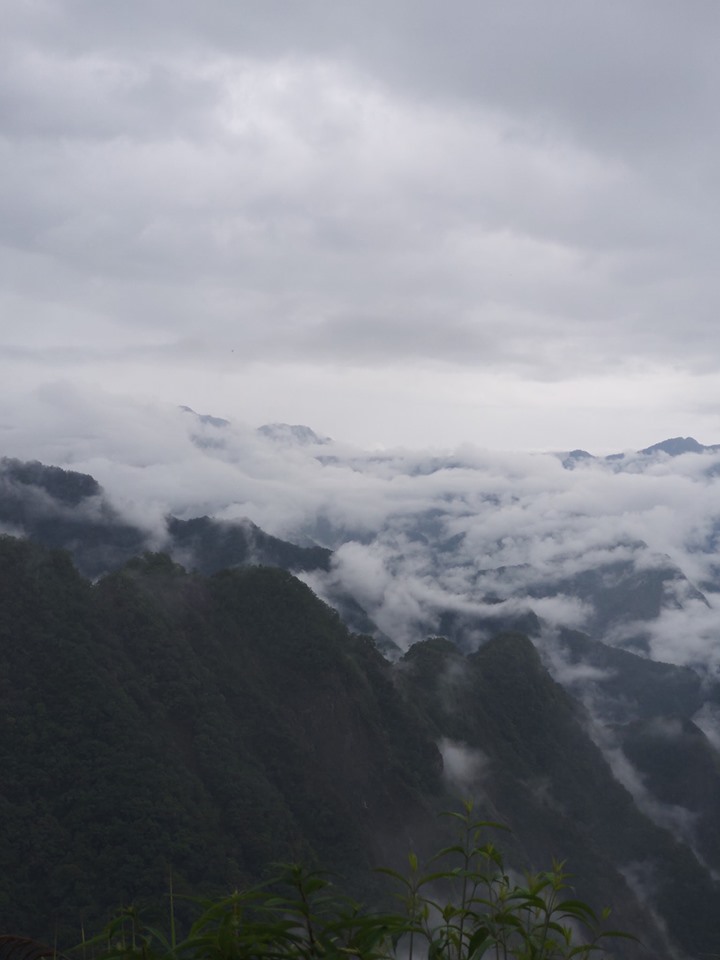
point(160, 719)
point(157, 719)
point(66, 509)
point(174, 713)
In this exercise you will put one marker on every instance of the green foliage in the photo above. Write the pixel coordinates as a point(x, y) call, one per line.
point(467, 905)
point(160, 718)
point(216, 724)
point(464, 906)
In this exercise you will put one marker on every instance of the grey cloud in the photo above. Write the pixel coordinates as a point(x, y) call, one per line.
point(482, 187)
point(464, 768)
point(488, 219)
point(684, 634)
point(46, 96)
point(515, 54)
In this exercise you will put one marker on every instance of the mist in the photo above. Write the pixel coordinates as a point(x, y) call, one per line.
point(417, 534)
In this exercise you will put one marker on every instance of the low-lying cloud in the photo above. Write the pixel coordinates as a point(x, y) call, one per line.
point(464, 768)
point(417, 534)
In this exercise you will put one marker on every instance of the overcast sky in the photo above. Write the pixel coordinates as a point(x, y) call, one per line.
point(401, 222)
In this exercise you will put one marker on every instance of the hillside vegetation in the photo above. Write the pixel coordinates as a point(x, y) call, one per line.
point(158, 720)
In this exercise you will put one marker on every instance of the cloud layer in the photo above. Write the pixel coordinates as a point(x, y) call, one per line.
point(490, 221)
point(420, 536)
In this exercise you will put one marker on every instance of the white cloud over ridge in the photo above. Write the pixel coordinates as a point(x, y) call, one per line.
point(481, 537)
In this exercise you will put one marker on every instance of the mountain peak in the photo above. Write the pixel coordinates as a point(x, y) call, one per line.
point(571, 459)
point(676, 446)
point(291, 433)
point(206, 417)
point(64, 486)
point(673, 447)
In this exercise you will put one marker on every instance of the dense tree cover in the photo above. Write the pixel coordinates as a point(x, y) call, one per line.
point(65, 486)
point(212, 545)
point(159, 721)
point(65, 509)
point(548, 781)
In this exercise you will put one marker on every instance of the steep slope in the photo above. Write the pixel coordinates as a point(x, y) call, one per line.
point(68, 510)
point(65, 509)
point(621, 686)
point(158, 720)
point(526, 754)
point(209, 545)
point(681, 772)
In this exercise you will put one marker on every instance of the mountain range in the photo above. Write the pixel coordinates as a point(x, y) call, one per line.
point(191, 709)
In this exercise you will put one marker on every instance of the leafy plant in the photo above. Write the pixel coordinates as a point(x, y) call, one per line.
point(469, 906)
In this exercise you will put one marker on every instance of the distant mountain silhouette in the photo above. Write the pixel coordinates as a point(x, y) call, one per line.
point(673, 447)
point(68, 510)
point(206, 417)
point(676, 446)
point(291, 433)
